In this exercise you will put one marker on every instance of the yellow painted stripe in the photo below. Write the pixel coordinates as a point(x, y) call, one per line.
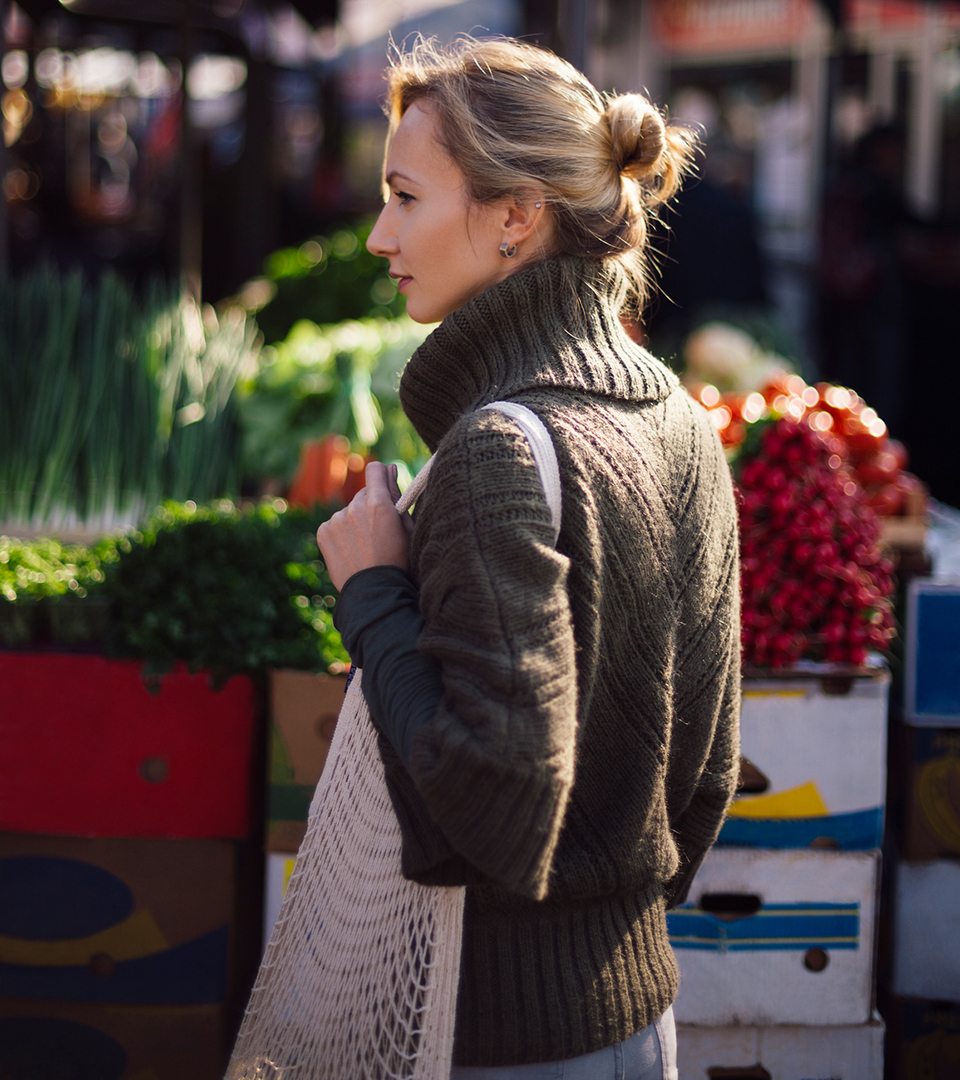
point(134, 937)
point(288, 865)
point(804, 801)
point(774, 693)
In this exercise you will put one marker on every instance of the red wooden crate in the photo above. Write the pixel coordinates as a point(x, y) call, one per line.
point(89, 751)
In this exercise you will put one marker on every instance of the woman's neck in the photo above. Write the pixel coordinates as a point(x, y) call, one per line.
point(554, 324)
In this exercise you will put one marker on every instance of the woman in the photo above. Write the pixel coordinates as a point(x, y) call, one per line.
point(559, 723)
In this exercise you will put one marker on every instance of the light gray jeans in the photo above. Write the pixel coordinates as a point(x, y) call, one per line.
point(651, 1054)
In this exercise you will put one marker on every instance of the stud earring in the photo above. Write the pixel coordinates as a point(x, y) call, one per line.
point(508, 251)
point(537, 205)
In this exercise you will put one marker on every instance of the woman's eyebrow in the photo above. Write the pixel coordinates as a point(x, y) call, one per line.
point(395, 175)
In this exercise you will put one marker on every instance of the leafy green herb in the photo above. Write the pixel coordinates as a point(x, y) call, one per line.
point(340, 378)
point(222, 588)
point(44, 569)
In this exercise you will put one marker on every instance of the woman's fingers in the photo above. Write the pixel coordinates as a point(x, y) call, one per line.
point(368, 532)
point(378, 481)
point(394, 487)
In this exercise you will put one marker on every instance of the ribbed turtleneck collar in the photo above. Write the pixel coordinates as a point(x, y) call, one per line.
point(529, 330)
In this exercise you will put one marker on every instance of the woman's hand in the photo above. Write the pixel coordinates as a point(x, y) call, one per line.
point(368, 532)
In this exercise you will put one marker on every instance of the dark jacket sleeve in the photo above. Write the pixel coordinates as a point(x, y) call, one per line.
point(378, 616)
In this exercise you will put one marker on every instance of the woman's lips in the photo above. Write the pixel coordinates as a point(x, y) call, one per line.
point(402, 283)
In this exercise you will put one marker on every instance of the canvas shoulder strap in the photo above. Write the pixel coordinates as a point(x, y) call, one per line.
point(544, 454)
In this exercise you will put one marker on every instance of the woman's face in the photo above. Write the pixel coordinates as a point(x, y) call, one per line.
point(443, 250)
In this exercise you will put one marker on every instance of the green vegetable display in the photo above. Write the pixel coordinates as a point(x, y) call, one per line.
point(222, 588)
point(43, 587)
point(327, 279)
point(109, 403)
point(340, 378)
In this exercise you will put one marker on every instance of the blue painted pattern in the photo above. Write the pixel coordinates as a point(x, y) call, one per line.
point(190, 974)
point(779, 927)
point(860, 830)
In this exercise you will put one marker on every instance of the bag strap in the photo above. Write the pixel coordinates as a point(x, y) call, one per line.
point(544, 455)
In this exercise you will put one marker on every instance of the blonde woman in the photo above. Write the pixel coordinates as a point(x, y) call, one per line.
point(558, 721)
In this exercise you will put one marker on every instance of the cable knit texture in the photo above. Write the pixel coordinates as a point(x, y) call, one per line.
point(585, 749)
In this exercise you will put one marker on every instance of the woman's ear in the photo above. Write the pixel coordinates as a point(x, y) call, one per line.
point(524, 216)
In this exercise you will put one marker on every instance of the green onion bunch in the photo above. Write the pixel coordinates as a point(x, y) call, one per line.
point(110, 402)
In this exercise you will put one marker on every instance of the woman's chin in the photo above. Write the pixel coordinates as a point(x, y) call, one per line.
point(423, 315)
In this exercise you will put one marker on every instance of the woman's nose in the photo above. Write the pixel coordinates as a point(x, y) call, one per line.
point(382, 241)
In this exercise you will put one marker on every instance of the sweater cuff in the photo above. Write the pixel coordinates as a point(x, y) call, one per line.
point(378, 616)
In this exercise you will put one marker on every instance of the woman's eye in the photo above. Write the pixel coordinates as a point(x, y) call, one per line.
point(404, 198)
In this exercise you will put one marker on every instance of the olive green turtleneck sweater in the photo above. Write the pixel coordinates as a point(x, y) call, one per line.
point(580, 743)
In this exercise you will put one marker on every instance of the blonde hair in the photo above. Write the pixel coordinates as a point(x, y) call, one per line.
point(515, 117)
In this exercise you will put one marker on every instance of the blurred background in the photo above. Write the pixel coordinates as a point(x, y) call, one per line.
point(198, 356)
point(229, 147)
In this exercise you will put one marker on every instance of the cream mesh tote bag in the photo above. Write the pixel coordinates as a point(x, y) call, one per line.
point(359, 979)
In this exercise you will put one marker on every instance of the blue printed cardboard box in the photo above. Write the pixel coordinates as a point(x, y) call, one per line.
point(41, 1040)
point(815, 763)
point(115, 920)
point(777, 937)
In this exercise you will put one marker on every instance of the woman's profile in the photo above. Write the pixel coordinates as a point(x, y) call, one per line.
point(558, 720)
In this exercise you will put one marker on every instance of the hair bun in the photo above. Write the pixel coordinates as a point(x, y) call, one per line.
point(639, 136)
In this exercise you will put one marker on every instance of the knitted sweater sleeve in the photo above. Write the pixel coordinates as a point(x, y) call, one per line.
point(494, 765)
point(697, 826)
point(705, 746)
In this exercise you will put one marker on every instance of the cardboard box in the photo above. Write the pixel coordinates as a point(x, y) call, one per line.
point(817, 747)
point(303, 715)
point(88, 750)
point(777, 937)
point(926, 930)
point(931, 819)
point(120, 921)
point(932, 653)
point(908, 533)
point(279, 868)
point(41, 1040)
point(923, 1039)
point(781, 1052)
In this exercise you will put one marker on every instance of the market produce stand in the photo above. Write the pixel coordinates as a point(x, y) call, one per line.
point(777, 943)
point(128, 842)
point(133, 785)
point(143, 832)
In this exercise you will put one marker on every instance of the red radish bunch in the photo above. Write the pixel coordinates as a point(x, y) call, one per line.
point(815, 583)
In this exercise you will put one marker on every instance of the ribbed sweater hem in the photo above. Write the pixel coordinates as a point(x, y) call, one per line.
point(545, 982)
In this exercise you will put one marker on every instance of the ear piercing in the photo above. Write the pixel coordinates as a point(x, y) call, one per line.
point(509, 250)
